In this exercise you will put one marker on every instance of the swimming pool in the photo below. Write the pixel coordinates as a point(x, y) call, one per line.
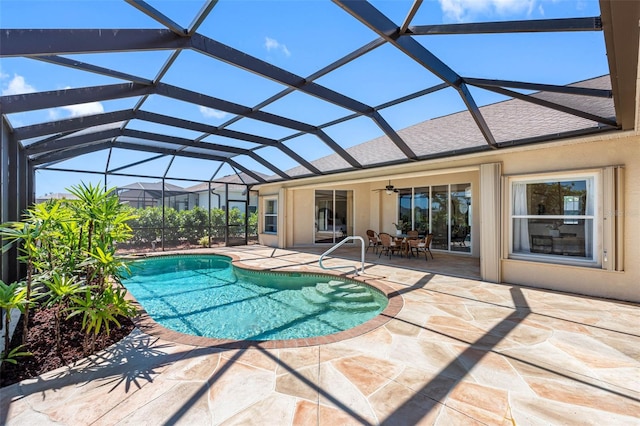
point(204, 295)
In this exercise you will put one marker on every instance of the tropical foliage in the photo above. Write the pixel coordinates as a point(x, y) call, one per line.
point(186, 225)
point(69, 249)
point(12, 296)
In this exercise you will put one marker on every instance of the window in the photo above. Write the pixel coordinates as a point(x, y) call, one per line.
point(571, 206)
point(553, 218)
point(270, 216)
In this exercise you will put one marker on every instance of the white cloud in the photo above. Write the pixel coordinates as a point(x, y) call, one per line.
point(211, 113)
point(17, 86)
point(84, 109)
point(273, 44)
point(78, 110)
point(466, 10)
point(54, 114)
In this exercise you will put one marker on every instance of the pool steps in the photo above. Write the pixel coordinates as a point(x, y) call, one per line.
point(313, 296)
point(341, 295)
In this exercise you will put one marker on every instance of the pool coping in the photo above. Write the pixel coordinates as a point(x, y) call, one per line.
point(148, 325)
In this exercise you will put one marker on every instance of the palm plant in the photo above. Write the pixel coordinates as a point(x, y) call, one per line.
point(66, 245)
point(100, 310)
point(12, 296)
point(104, 219)
point(13, 354)
point(87, 210)
point(105, 265)
point(28, 233)
point(61, 288)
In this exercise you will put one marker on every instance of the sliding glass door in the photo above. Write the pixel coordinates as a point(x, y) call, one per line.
point(440, 217)
point(443, 210)
point(333, 216)
point(460, 208)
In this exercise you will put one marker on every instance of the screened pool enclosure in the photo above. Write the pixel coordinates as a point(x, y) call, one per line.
point(189, 109)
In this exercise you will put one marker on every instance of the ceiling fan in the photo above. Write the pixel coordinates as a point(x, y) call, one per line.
point(389, 189)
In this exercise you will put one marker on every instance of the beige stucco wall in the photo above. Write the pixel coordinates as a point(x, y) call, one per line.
point(373, 208)
point(377, 210)
point(302, 211)
point(589, 281)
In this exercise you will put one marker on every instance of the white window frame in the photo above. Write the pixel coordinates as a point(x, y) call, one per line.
point(266, 214)
point(595, 217)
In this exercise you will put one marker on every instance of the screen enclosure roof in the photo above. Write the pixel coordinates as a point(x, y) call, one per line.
point(280, 90)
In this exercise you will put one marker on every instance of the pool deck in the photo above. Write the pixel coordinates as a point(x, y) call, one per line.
point(458, 352)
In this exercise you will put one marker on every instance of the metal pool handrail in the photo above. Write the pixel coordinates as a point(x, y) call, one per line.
point(349, 238)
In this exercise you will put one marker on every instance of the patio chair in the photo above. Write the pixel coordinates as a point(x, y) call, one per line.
point(422, 246)
point(374, 241)
point(387, 244)
point(413, 234)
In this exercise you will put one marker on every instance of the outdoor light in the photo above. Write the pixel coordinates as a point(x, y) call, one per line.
point(390, 189)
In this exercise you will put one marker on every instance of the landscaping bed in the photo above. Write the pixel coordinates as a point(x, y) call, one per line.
point(41, 343)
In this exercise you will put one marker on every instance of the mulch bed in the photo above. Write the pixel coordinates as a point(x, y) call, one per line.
point(41, 343)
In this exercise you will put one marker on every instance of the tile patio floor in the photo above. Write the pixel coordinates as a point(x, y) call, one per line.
point(459, 352)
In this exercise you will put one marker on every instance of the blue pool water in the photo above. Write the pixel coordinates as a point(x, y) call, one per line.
point(207, 296)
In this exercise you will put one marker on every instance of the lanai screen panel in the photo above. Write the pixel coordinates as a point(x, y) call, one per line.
point(286, 90)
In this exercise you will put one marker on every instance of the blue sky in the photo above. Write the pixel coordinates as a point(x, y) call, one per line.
point(300, 36)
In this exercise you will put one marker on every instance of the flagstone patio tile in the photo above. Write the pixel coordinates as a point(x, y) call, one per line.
point(296, 358)
point(430, 356)
point(273, 410)
point(434, 384)
point(196, 365)
point(590, 351)
point(185, 404)
point(493, 370)
point(235, 386)
point(302, 383)
point(140, 397)
point(404, 328)
point(483, 403)
point(537, 411)
point(585, 395)
point(262, 359)
point(366, 373)
point(397, 404)
point(338, 391)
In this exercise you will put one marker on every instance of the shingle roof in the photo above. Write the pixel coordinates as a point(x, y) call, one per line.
point(153, 186)
point(241, 179)
point(511, 121)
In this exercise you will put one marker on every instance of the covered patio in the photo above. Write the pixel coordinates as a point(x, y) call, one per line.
point(459, 352)
point(443, 263)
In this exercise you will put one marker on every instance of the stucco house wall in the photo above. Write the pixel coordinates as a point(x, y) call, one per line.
point(377, 210)
point(578, 155)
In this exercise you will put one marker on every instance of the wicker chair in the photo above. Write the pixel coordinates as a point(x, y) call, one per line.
point(374, 241)
point(412, 235)
point(387, 244)
point(422, 246)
